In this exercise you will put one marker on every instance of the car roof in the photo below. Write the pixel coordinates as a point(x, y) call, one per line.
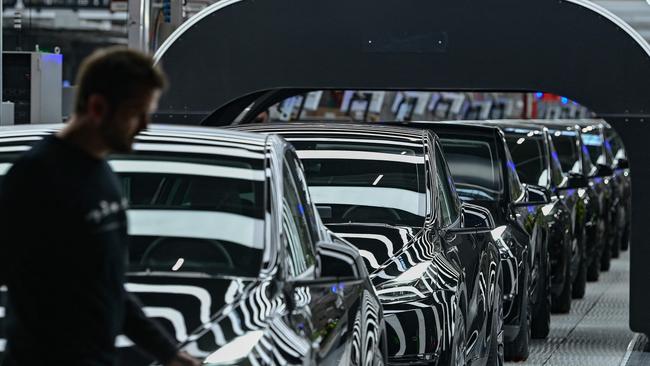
point(171, 134)
point(522, 124)
point(449, 126)
point(379, 131)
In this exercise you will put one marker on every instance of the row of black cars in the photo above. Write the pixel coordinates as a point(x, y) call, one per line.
point(366, 244)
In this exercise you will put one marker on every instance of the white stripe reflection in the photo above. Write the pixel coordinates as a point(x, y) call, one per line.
point(198, 150)
point(200, 293)
point(169, 167)
point(359, 155)
point(400, 199)
point(173, 316)
point(237, 229)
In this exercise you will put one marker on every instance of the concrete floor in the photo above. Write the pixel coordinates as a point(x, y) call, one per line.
point(596, 331)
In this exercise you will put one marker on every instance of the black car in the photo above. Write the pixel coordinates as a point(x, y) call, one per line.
point(537, 163)
point(228, 253)
point(604, 182)
point(484, 175)
point(621, 166)
point(576, 164)
point(432, 259)
point(615, 157)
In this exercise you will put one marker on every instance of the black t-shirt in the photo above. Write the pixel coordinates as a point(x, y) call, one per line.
point(64, 248)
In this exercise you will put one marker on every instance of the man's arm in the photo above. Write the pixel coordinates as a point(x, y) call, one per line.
point(146, 333)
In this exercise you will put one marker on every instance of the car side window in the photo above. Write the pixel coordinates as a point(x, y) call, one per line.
point(557, 176)
point(446, 195)
point(516, 189)
point(296, 237)
point(297, 170)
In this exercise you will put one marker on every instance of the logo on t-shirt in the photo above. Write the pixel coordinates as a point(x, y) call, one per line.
point(105, 210)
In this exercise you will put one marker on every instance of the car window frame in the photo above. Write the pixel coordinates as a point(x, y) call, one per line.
point(438, 156)
point(310, 270)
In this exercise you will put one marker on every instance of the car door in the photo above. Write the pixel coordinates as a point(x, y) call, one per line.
point(471, 253)
point(320, 308)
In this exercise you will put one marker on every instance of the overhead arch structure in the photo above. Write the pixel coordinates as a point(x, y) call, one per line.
point(234, 51)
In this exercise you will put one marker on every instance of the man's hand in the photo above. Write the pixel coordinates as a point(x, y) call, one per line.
point(183, 359)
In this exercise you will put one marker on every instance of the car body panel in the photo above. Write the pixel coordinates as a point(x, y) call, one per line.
point(557, 214)
point(518, 225)
point(460, 271)
point(335, 313)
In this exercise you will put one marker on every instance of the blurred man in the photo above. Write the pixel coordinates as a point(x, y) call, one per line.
point(63, 221)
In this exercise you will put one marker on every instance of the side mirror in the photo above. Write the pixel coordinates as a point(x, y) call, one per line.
point(604, 171)
point(623, 164)
point(339, 268)
point(474, 219)
point(576, 181)
point(535, 194)
point(338, 259)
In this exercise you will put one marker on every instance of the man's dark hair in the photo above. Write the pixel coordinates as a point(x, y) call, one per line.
point(118, 74)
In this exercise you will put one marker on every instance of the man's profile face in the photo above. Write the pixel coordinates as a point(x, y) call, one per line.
point(121, 127)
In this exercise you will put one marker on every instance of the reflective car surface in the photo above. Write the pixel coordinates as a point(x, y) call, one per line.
point(227, 252)
point(604, 182)
point(537, 164)
point(433, 261)
point(576, 164)
point(623, 179)
point(484, 175)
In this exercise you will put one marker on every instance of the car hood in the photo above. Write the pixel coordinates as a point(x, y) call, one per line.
point(389, 251)
point(208, 311)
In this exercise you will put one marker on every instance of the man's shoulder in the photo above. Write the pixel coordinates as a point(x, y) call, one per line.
point(33, 161)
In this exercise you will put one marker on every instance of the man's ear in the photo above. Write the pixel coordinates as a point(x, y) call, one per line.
point(97, 108)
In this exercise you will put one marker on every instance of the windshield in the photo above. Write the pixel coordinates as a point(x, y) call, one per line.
point(566, 145)
point(191, 212)
point(528, 153)
point(474, 167)
point(369, 183)
point(193, 215)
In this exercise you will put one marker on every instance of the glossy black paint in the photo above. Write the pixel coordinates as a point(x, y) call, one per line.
point(311, 302)
point(562, 246)
point(605, 183)
point(452, 308)
point(617, 159)
point(591, 195)
point(516, 219)
point(621, 166)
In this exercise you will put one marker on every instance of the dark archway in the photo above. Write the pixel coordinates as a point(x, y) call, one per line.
point(568, 47)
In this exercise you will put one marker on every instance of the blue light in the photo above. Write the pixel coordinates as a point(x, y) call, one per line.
point(555, 157)
point(511, 165)
point(584, 150)
point(66, 84)
point(607, 145)
point(333, 288)
point(565, 100)
point(539, 95)
point(301, 209)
